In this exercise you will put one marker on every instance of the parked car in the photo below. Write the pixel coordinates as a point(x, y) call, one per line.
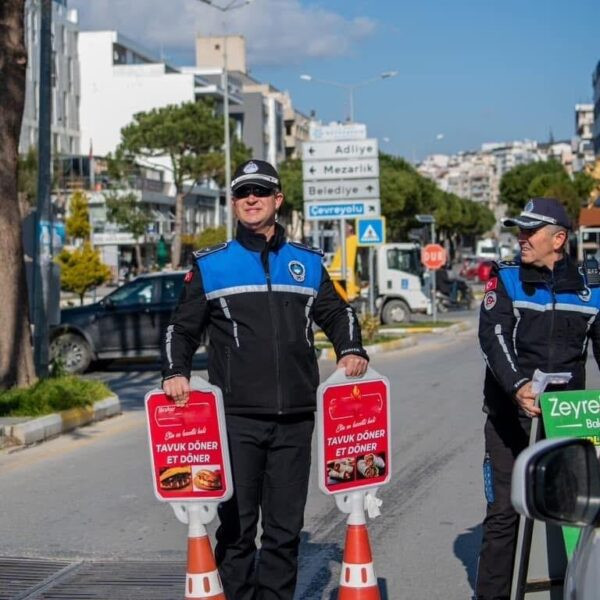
point(468, 269)
point(129, 322)
point(558, 481)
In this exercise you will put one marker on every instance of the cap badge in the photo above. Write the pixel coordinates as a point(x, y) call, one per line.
point(529, 206)
point(297, 270)
point(251, 167)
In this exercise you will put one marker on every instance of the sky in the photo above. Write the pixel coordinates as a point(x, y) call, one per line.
point(469, 71)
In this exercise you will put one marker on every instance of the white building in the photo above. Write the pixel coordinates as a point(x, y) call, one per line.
point(65, 79)
point(584, 136)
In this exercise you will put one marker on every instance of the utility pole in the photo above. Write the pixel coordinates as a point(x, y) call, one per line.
point(42, 259)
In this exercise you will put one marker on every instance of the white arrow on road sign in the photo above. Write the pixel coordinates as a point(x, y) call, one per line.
point(356, 189)
point(340, 150)
point(328, 211)
point(340, 169)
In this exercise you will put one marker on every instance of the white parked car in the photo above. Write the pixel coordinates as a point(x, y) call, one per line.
point(558, 481)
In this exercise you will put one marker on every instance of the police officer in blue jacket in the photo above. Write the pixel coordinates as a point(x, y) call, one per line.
point(537, 313)
point(258, 297)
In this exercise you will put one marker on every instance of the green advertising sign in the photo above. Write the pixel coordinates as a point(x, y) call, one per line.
point(572, 414)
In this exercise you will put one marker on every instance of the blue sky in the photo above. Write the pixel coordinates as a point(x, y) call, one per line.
point(473, 70)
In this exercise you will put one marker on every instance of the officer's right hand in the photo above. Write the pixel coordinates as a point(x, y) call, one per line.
point(178, 389)
point(526, 400)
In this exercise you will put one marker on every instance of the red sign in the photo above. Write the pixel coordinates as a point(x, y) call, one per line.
point(188, 447)
point(433, 256)
point(354, 436)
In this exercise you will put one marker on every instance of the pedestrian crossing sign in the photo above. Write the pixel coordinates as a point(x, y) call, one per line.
point(371, 232)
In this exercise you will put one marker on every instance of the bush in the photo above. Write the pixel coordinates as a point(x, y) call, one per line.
point(51, 395)
point(369, 326)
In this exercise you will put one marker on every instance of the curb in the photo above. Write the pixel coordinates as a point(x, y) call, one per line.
point(329, 353)
point(42, 428)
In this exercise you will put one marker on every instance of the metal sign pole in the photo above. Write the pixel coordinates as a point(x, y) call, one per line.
point(343, 246)
point(371, 280)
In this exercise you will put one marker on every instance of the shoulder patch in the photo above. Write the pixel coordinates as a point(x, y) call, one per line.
point(209, 250)
point(307, 248)
point(508, 263)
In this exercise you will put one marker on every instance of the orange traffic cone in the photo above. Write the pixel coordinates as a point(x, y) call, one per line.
point(202, 579)
point(357, 579)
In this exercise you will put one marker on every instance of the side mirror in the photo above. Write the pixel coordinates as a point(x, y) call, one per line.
point(558, 481)
point(108, 303)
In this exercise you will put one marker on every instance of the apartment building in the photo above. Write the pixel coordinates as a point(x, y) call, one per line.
point(66, 92)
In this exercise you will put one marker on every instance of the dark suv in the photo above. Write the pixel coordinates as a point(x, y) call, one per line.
point(129, 322)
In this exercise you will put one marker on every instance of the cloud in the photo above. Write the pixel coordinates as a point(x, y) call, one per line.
point(277, 32)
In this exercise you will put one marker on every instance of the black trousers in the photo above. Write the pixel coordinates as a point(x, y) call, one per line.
point(270, 460)
point(505, 438)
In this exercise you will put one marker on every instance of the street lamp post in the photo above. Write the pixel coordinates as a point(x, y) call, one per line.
point(350, 86)
point(227, 149)
point(430, 220)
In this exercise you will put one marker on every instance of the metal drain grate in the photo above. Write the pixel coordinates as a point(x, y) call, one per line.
point(119, 581)
point(18, 575)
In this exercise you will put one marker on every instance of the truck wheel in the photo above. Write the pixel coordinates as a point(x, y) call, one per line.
point(72, 351)
point(395, 311)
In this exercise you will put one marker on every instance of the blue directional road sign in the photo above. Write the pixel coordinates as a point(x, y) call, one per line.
point(333, 210)
point(371, 232)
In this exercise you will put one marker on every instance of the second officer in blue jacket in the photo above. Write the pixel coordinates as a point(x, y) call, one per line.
point(258, 297)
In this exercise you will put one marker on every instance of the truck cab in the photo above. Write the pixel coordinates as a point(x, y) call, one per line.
point(401, 286)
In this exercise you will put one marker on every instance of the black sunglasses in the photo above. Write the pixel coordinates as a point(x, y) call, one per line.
point(255, 190)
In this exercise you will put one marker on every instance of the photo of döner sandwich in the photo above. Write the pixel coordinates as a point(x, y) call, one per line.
point(205, 479)
point(175, 478)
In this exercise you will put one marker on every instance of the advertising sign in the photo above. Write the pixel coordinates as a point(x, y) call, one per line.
point(340, 150)
point(315, 211)
point(188, 447)
point(357, 168)
point(572, 414)
point(358, 189)
point(354, 432)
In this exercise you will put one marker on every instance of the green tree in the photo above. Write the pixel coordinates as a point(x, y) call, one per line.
point(191, 136)
point(290, 173)
point(27, 170)
point(559, 186)
point(16, 355)
point(81, 269)
point(126, 211)
point(514, 185)
point(78, 222)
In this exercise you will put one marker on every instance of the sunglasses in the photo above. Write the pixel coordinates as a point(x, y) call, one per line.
point(255, 190)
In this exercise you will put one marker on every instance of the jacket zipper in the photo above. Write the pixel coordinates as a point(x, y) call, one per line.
point(227, 370)
point(275, 332)
point(549, 364)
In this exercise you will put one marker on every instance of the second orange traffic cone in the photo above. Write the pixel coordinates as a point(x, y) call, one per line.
point(357, 579)
point(202, 581)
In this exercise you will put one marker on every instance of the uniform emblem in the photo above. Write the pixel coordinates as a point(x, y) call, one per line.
point(297, 270)
point(251, 167)
point(491, 284)
point(489, 300)
point(585, 295)
point(529, 207)
point(188, 276)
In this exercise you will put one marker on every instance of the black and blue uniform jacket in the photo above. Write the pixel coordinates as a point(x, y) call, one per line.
point(533, 318)
point(258, 300)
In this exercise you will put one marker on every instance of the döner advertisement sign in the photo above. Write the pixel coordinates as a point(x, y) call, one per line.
point(188, 446)
point(353, 424)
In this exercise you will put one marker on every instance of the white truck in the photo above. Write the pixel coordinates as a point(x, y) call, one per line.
point(401, 286)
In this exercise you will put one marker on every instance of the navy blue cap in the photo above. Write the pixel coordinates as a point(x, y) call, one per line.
point(256, 172)
point(539, 212)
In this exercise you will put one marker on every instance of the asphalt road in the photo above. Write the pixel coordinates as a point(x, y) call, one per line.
point(88, 496)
